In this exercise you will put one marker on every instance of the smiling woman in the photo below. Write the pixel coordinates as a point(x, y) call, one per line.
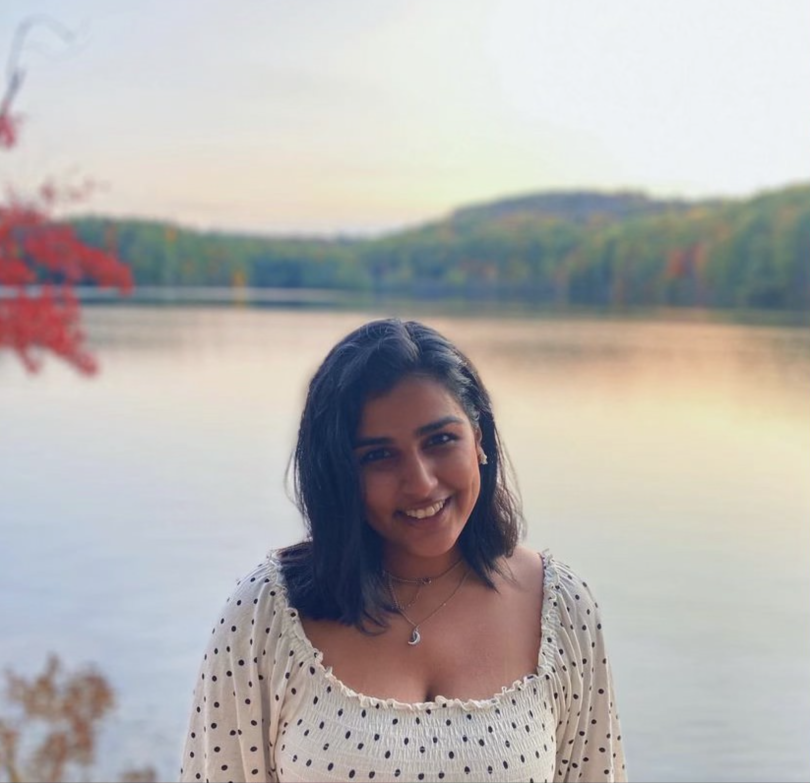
point(408, 636)
point(420, 481)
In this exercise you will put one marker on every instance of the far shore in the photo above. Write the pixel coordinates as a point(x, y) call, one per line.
point(399, 303)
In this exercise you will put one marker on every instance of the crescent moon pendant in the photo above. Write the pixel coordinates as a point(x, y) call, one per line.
point(415, 637)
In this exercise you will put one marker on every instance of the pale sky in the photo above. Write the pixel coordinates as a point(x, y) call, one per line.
point(326, 116)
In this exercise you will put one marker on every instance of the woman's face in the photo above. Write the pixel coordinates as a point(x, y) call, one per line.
point(417, 455)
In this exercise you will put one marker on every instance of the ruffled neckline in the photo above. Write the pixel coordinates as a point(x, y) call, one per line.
point(549, 624)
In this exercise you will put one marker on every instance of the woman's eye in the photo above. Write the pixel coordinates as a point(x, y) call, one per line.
point(441, 438)
point(374, 456)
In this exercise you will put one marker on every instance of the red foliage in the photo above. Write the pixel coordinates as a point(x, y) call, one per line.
point(9, 129)
point(40, 263)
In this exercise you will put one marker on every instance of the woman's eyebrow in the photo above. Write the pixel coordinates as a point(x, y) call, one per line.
point(360, 442)
point(439, 424)
point(423, 430)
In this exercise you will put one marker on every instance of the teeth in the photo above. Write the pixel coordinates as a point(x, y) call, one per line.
point(422, 513)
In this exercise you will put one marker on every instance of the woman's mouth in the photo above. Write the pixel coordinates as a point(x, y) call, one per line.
point(428, 511)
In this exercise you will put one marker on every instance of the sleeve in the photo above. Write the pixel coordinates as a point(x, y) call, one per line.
point(234, 718)
point(589, 742)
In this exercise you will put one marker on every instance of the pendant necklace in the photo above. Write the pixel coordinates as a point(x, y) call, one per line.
point(416, 637)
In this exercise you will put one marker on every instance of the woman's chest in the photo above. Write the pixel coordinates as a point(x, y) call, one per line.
point(472, 653)
point(344, 738)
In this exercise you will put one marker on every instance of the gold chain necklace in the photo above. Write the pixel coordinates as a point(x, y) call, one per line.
point(416, 637)
point(422, 580)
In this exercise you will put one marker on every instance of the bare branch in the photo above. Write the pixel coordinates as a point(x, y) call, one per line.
point(14, 71)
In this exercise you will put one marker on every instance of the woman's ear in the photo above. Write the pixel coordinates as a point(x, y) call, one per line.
point(479, 449)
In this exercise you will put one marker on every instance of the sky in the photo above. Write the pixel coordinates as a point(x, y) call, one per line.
point(364, 116)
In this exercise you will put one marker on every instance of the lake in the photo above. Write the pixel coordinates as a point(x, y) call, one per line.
point(668, 461)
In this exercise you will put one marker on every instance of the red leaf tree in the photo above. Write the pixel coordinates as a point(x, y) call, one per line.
point(41, 259)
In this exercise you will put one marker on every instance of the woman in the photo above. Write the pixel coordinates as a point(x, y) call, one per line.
point(408, 637)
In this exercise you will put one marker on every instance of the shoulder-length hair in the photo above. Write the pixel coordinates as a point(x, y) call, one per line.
point(337, 573)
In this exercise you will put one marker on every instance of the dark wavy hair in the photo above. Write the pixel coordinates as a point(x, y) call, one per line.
point(336, 573)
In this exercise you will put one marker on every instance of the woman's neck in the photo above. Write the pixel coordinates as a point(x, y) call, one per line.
point(406, 567)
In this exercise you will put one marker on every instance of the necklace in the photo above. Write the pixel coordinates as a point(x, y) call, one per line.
point(411, 602)
point(416, 637)
point(421, 580)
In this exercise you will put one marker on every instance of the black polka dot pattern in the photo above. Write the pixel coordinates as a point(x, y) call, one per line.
point(265, 708)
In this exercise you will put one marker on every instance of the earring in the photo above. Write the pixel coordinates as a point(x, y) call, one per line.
point(482, 457)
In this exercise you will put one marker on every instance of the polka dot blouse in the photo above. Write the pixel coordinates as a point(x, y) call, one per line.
point(266, 708)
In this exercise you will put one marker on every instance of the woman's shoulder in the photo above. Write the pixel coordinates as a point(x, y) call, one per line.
point(525, 571)
point(561, 589)
point(570, 608)
point(256, 613)
point(531, 567)
point(565, 582)
point(263, 574)
point(257, 589)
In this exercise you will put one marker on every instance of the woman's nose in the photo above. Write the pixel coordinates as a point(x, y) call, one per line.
point(418, 477)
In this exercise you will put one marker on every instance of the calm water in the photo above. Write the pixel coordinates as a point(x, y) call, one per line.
point(668, 462)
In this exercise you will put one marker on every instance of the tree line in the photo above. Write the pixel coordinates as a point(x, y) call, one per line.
point(570, 248)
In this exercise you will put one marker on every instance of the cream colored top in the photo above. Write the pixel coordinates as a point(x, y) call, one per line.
point(266, 709)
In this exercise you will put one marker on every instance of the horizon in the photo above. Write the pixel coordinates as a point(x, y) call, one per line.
point(380, 233)
point(360, 119)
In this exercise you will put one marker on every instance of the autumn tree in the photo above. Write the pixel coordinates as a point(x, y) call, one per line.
point(41, 259)
point(50, 723)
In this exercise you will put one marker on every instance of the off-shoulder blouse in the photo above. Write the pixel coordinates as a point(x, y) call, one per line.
point(265, 708)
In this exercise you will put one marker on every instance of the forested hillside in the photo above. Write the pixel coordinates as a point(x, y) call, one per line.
point(564, 248)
